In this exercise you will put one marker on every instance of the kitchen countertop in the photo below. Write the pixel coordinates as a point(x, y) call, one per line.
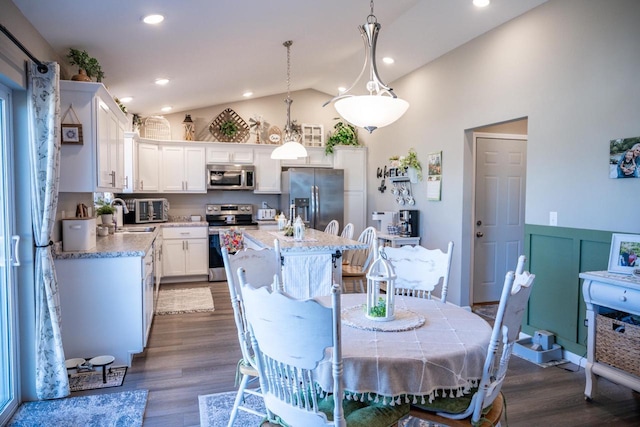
point(314, 241)
point(123, 244)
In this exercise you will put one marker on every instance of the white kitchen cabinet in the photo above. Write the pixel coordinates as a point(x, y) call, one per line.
point(268, 172)
point(148, 172)
point(353, 160)
point(229, 153)
point(98, 163)
point(316, 158)
point(130, 156)
point(183, 169)
point(106, 305)
point(185, 251)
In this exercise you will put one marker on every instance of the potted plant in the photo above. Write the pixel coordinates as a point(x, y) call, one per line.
point(106, 211)
point(410, 163)
point(343, 134)
point(87, 66)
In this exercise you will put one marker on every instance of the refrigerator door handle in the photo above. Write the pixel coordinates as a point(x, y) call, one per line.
point(312, 208)
point(316, 218)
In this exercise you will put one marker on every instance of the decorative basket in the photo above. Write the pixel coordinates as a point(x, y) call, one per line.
point(618, 344)
point(157, 127)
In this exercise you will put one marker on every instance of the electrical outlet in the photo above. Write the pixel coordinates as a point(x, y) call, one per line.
point(264, 205)
point(553, 218)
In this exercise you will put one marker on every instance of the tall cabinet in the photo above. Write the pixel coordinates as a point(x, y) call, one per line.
point(354, 162)
point(96, 164)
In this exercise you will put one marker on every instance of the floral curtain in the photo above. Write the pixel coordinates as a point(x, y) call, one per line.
point(44, 153)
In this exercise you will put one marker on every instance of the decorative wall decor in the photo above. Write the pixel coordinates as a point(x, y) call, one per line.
point(275, 135)
point(157, 127)
point(624, 158)
point(71, 133)
point(434, 176)
point(257, 125)
point(228, 126)
point(189, 128)
point(312, 135)
point(625, 249)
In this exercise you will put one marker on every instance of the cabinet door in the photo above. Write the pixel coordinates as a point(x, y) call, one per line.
point(354, 162)
point(148, 175)
point(315, 158)
point(229, 154)
point(173, 257)
point(104, 146)
point(172, 176)
point(267, 172)
point(194, 170)
point(197, 258)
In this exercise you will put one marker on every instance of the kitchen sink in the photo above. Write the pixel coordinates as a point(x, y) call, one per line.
point(136, 230)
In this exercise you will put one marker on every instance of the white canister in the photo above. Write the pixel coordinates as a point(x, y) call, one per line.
point(78, 234)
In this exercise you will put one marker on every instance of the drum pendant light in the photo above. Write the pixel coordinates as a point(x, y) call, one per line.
point(381, 106)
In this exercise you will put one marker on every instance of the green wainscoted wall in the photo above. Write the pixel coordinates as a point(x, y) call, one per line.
point(556, 255)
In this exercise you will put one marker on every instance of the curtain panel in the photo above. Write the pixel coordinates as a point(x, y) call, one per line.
point(44, 150)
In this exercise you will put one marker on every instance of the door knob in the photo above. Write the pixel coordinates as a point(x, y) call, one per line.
point(479, 234)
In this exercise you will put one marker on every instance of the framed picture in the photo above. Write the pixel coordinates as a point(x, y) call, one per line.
point(624, 158)
point(434, 176)
point(72, 133)
point(625, 250)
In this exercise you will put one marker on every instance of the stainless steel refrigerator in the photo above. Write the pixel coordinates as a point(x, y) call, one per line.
point(317, 195)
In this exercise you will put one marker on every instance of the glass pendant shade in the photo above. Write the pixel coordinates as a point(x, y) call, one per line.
point(371, 111)
point(290, 150)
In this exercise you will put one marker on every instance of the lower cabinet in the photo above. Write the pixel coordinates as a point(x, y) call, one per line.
point(106, 306)
point(185, 251)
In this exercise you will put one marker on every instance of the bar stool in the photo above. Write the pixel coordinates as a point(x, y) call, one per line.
point(103, 361)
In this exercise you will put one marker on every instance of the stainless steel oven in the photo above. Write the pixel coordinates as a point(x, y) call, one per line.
point(224, 217)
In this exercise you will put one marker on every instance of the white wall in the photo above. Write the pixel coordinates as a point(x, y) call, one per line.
point(570, 67)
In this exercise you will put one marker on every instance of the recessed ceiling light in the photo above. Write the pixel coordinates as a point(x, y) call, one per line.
point(247, 94)
point(481, 3)
point(126, 99)
point(388, 60)
point(341, 89)
point(165, 109)
point(153, 19)
point(162, 82)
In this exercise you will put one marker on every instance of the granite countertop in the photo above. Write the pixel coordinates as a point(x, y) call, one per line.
point(314, 241)
point(124, 244)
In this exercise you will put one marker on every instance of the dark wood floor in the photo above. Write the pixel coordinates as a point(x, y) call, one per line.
point(195, 354)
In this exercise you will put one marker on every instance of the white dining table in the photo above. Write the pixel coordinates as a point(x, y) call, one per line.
point(432, 349)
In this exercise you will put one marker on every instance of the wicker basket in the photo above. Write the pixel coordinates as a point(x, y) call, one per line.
point(157, 127)
point(616, 348)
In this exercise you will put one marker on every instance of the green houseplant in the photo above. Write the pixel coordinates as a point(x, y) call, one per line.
point(407, 162)
point(87, 65)
point(343, 134)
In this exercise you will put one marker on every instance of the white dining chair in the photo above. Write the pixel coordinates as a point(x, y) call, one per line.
point(264, 271)
point(356, 261)
point(289, 338)
point(347, 231)
point(506, 330)
point(419, 270)
point(332, 227)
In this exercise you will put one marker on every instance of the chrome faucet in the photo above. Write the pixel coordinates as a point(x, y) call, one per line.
point(121, 202)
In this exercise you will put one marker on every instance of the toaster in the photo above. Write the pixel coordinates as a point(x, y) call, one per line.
point(263, 214)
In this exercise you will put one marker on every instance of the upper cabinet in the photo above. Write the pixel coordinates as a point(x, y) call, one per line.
point(97, 164)
point(183, 169)
point(316, 158)
point(229, 153)
point(148, 170)
point(267, 171)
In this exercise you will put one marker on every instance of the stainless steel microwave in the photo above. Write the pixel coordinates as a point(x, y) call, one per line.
point(146, 210)
point(230, 177)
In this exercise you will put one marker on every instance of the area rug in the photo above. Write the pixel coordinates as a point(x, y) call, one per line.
point(215, 410)
point(93, 380)
point(178, 301)
point(103, 410)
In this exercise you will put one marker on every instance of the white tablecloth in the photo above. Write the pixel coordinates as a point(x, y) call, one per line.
point(445, 355)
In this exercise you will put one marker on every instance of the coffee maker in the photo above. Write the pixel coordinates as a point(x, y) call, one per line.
point(409, 223)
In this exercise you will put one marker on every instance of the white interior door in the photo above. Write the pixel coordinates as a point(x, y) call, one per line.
point(8, 254)
point(499, 212)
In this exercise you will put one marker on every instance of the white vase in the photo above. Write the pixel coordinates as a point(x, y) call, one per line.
point(413, 174)
point(107, 219)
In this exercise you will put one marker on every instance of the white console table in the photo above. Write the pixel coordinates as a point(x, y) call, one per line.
point(396, 241)
point(617, 292)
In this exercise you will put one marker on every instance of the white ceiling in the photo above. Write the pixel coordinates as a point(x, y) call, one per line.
point(215, 50)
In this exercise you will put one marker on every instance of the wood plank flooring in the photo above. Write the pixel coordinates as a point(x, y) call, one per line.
point(195, 354)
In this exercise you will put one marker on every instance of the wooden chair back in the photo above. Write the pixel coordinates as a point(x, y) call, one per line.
point(347, 231)
point(285, 360)
point(361, 258)
point(332, 227)
point(419, 270)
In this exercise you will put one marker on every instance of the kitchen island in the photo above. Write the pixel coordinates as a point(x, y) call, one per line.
point(310, 266)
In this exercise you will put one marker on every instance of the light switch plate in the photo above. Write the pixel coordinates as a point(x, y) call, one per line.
point(553, 218)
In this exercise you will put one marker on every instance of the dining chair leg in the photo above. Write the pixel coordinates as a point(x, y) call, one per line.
point(242, 389)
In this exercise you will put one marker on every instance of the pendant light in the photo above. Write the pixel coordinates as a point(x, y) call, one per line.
point(291, 148)
point(381, 107)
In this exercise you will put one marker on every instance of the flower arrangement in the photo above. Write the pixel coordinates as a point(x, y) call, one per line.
point(408, 161)
point(232, 240)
